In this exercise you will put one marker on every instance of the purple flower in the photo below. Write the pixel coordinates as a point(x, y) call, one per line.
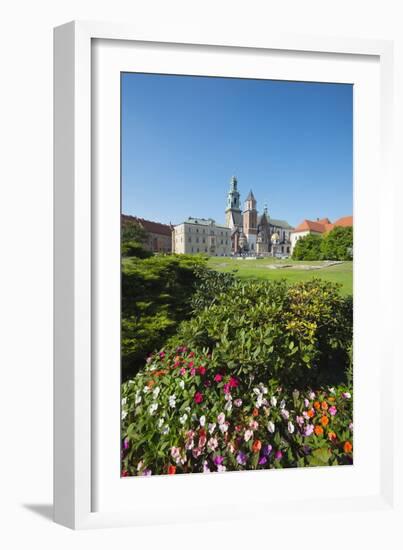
point(263, 460)
point(278, 455)
point(218, 460)
point(241, 458)
point(266, 450)
point(308, 430)
point(146, 472)
point(125, 444)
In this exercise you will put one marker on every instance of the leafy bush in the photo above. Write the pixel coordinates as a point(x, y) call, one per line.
point(156, 297)
point(308, 248)
point(338, 244)
point(182, 414)
point(132, 249)
point(210, 284)
point(296, 334)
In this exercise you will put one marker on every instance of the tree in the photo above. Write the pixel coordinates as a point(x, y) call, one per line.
point(308, 248)
point(132, 231)
point(338, 244)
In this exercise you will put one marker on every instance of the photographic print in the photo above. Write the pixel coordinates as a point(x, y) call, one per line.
point(237, 274)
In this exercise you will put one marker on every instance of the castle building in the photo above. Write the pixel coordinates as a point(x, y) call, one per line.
point(251, 233)
point(201, 236)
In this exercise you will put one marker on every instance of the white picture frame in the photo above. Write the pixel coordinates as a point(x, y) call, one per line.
point(87, 490)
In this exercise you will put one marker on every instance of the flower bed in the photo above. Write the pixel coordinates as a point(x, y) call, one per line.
point(183, 414)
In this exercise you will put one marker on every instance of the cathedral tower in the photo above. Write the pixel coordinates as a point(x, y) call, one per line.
point(250, 221)
point(233, 212)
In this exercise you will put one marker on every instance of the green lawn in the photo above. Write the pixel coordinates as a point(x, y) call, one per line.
point(260, 269)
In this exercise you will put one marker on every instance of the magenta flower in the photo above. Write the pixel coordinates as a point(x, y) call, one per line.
point(233, 382)
point(332, 410)
point(218, 378)
point(198, 398)
point(278, 455)
point(227, 388)
point(262, 460)
point(125, 444)
point(218, 460)
point(162, 354)
point(192, 371)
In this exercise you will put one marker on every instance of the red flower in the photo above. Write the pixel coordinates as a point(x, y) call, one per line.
point(125, 473)
point(198, 398)
point(191, 354)
point(202, 432)
point(233, 382)
point(171, 470)
point(218, 378)
point(190, 364)
point(202, 370)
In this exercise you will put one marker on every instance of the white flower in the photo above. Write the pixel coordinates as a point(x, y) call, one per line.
point(282, 404)
point(183, 418)
point(206, 469)
point(181, 384)
point(291, 427)
point(172, 401)
point(160, 422)
point(256, 391)
point(312, 395)
point(346, 395)
point(152, 408)
point(165, 430)
point(228, 406)
point(221, 468)
point(259, 401)
point(146, 389)
point(285, 414)
point(187, 409)
point(332, 390)
point(212, 443)
point(137, 398)
point(238, 402)
point(221, 418)
point(156, 391)
point(273, 401)
point(202, 421)
point(271, 427)
point(227, 397)
point(124, 401)
point(248, 434)
point(124, 414)
point(223, 427)
point(211, 427)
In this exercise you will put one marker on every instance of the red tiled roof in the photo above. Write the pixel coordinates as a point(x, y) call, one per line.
point(346, 221)
point(308, 225)
point(324, 225)
point(150, 226)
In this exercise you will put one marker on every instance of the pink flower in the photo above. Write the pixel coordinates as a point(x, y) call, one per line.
point(221, 418)
point(248, 434)
point(212, 443)
point(233, 382)
point(162, 354)
point(278, 455)
point(190, 364)
point(218, 378)
point(227, 388)
point(332, 410)
point(192, 371)
point(198, 398)
point(308, 430)
point(196, 452)
point(238, 402)
point(202, 441)
point(253, 425)
point(182, 371)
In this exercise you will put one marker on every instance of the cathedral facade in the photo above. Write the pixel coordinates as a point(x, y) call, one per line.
point(253, 234)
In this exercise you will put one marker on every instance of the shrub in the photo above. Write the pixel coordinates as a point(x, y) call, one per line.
point(132, 249)
point(156, 297)
point(338, 244)
point(308, 248)
point(210, 284)
point(181, 414)
point(296, 334)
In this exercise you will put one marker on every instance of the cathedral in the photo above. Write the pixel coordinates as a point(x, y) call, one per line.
point(253, 234)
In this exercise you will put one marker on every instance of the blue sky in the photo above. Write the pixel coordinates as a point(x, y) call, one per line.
point(184, 137)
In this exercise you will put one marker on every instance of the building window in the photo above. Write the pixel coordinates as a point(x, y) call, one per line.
point(204, 240)
point(190, 239)
point(192, 248)
point(197, 250)
point(288, 249)
point(205, 250)
point(197, 239)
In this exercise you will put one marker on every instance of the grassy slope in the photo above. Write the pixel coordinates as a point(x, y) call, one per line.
point(342, 273)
